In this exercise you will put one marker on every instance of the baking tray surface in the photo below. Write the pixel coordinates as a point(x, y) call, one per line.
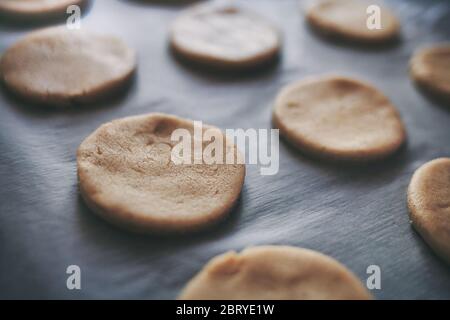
point(357, 215)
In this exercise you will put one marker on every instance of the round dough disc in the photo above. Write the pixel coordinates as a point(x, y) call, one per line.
point(430, 69)
point(127, 176)
point(274, 273)
point(347, 20)
point(57, 66)
point(35, 9)
point(338, 118)
point(225, 37)
point(429, 205)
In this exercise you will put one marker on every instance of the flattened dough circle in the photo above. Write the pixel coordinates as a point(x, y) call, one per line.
point(58, 67)
point(274, 273)
point(127, 177)
point(338, 118)
point(36, 9)
point(225, 37)
point(430, 69)
point(347, 19)
point(429, 205)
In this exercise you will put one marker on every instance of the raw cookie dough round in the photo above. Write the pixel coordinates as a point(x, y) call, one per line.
point(224, 37)
point(127, 176)
point(35, 9)
point(57, 66)
point(274, 273)
point(430, 69)
point(338, 118)
point(347, 20)
point(429, 205)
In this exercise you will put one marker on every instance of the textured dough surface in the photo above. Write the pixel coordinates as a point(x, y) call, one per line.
point(36, 8)
point(224, 36)
point(338, 118)
point(429, 205)
point(126, 176)
point(430, 69)
point(57, 66)
point(347, 19)
point(274, 273)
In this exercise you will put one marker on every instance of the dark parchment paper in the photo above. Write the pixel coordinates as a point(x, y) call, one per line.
point(356, 215)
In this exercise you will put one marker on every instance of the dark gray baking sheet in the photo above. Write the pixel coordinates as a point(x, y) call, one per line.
point(357, 215)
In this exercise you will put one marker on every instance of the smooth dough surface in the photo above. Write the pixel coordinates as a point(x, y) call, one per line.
point(36, 8)
point(430, 69)
point(338, 118)
point(429, 205)
point(126, 176)
point(274, 273)
point(224, 37)
point(347, 19)
point(57, 66)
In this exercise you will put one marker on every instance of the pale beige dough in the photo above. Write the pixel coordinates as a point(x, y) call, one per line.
point(36, 9)
point(338, 118)
point(347, 19)
point(127, 176)
point(430, 69)
point(226, 37)
point(274, 273)
point(56, 66)
point(429, 205)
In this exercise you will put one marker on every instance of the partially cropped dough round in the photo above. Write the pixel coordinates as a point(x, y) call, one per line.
point(338, 118)
point(36, 9)
point(225, 37)
point(57, 66)
point(127, 176)
point(274, 273)
point(347, 20)
point(430, 69)
point(429, 205)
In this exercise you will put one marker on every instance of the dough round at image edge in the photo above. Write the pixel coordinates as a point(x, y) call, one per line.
point(127, 177)
point(274, 273)
point(338, 118)
point(36, 9)
point(347, 20)
point(224, 37)
point(429, 205)
point(59, 67)
point(430, 70)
